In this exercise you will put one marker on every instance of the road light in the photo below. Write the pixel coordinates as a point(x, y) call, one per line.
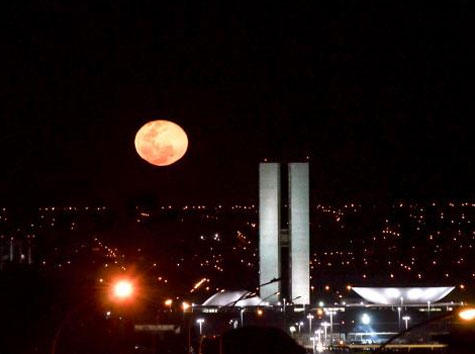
point(168, 303)
point(325, 331)
point(241, 315)
point(399, 317)
point(406, 320)
point(467, 315)
point(200, 323)
point(299, 324)
point(320, 312)
point(310, 318)
point(331, 312)
point(185, 306)
point(123, 290)
point(318, 332)
point(313, 339)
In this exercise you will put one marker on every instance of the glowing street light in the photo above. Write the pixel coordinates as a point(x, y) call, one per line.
point(406, 320)
point(168, 303)
point(467, 315)
point(310, 318)
point(299, 324)
point(185, 306)
point(200, 323)
point(123, 289)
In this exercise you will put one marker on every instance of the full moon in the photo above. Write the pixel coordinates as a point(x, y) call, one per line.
point(161, 142)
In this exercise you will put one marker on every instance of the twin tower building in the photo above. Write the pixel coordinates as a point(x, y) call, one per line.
point(284, 232)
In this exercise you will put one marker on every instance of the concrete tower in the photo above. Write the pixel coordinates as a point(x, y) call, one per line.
point(269, 229)
point(299, 233)
point(275, 240)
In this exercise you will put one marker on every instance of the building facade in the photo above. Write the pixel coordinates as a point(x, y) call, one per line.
point(284, 233)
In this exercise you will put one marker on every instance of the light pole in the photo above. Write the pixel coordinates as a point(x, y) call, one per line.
point(399, 318)
point(185, 306)
point(300, 324)
point(200, 323)
point(241, 313)
point(310, 318)
point(331, 312)
point(318, 332)
point(313, 339)
point(121, 292)
point(319, 346)
point(428, 309)
point(406, 319)
point(325, 331)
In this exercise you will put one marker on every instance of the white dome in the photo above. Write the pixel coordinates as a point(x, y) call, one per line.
point(405, 296)
point(230, 298)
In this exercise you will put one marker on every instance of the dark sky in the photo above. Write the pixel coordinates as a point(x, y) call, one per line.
point(379, 97)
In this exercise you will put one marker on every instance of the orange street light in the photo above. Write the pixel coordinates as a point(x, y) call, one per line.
point(168, 302)
point(185, 306)
point(123, 289)
point(468, 314)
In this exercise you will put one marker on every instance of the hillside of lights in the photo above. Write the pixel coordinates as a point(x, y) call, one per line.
point(353, 244)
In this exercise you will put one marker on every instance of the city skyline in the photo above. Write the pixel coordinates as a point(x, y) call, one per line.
point(162, 163)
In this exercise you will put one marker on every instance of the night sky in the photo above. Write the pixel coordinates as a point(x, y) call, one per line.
point(379, 97)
